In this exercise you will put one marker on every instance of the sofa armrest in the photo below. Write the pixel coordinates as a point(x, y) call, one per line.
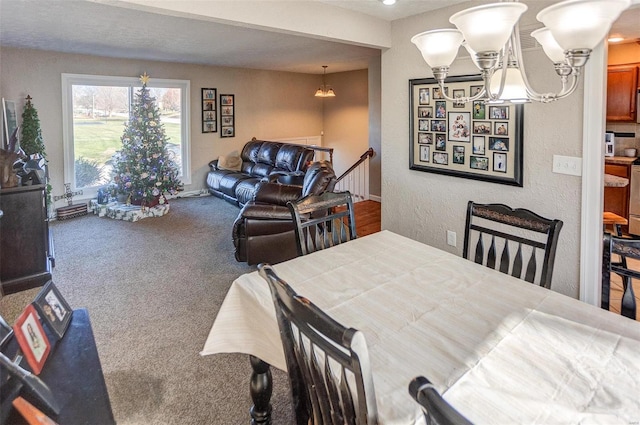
point(258, 211)
point(278, 194)
point(213, 165)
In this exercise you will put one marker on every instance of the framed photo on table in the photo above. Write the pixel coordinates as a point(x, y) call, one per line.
point(209, 111)
point(32, 340)
point(474, 140)
point(53, 309)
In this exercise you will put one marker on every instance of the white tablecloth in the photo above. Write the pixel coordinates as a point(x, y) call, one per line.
point(500, 350)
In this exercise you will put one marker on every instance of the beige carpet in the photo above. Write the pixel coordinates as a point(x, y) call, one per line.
point(153, 289)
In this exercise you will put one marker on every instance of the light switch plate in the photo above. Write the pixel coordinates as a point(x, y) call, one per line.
point(567, 165)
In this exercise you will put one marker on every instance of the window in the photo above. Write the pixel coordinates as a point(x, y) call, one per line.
point(94, 111)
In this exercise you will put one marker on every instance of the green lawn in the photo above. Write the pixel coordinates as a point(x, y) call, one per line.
point(99, 139)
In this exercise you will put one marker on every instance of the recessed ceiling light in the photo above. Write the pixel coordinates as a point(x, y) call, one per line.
point(615, 39)
point(388, 2)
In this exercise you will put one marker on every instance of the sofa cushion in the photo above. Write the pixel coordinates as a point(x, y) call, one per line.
point(246, 190)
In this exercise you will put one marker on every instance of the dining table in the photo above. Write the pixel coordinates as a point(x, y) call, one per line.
point(500, 350)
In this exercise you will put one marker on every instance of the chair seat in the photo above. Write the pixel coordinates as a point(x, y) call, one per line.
point(615, 220)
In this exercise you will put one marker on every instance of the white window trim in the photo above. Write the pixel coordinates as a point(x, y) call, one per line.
point(69, 80)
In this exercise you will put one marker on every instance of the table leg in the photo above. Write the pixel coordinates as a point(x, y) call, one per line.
point(261, 387)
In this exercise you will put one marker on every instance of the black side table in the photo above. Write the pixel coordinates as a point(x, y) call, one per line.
point(74, 375)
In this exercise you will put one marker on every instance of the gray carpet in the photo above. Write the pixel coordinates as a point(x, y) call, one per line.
point(153, 289)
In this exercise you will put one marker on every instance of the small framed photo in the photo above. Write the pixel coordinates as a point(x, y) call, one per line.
point(439, 125)
point(479, 110)
point(441, 142)
point(441, 158)
point(441, 109)
point(479, 163)
point(423, 125)
point(425, 153)
point(425, 112)
point(53, 309)
point(501, 128)
point(226, 100)
point(423, 97)
point(475, 90)
point(500, 162)
point(458, 154)
point(32, 339)
point(459, 123)
point(5, 332)
point(478, 145)
point(458, 94)
point(437, 93)
point(425, 138)
point(481, 127)
point(227, 131)
point(499, 144)
point(499, 112)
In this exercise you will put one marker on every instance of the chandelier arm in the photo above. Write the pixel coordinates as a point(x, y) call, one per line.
point(504, 59)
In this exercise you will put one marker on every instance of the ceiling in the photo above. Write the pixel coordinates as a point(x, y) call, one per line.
point(120, 32)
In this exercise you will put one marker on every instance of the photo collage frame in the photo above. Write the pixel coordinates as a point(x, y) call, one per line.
point(476, 140)
point(209, 111)
point(227, 115)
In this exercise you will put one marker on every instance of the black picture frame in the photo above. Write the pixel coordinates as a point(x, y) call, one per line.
point(209, 110)
point(53, 309)
point(227, 115)
point(476, 160)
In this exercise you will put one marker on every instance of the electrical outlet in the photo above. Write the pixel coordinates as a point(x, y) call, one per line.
point(567, 165)
point(451, 238)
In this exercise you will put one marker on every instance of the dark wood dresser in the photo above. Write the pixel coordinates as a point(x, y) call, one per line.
point(26, 246)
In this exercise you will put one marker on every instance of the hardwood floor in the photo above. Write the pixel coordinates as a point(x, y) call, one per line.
point(367, 217)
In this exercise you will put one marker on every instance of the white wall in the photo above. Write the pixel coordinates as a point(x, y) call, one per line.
point(423, 206)
point(268, 104)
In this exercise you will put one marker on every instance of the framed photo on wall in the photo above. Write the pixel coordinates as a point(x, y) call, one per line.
point(209, 111)
point(474, 140)
point(227, 115)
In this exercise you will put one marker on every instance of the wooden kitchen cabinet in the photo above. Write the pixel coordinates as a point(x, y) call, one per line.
point(622, 88)
point(26, 248)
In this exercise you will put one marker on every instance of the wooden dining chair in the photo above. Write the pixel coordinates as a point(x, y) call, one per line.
point(323, 221)
point(628, 250)
point(327, 363)
point(505, 229)
point(435, 408)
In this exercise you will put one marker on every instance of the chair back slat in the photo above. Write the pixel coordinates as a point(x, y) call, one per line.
point(507, 225)
point(517, 263)
point(505, 259)
point(624, 249)
point(491, 256)
point(323, 221)
point(328, 364)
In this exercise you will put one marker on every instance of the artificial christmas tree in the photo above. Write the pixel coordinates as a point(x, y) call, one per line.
point(31, 142)
point(144, 170)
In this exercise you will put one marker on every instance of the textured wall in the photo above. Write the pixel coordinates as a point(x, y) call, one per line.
point(268, 104)
point(423, 206)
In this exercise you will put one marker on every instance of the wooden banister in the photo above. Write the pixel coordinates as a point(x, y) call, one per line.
point(368, 154)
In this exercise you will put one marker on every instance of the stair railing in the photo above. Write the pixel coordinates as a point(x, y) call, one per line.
point(356, 178)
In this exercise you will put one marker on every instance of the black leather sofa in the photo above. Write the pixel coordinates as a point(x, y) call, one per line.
point(260, 160)
point(264, 231)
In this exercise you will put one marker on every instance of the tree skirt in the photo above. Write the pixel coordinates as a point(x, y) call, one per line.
point(119, 211)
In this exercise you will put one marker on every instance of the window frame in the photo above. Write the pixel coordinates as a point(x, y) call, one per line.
point(69, 80)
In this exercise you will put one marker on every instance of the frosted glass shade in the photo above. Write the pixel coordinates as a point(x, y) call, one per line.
point(549, 44)
point(514, 87)
point(474, 58)
point(487, 28)
point(438, 47)
point(581, 24)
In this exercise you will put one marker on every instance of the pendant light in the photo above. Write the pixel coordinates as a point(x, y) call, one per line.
point(324, 90)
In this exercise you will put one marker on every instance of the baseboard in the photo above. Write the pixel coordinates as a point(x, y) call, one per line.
point(375, 198)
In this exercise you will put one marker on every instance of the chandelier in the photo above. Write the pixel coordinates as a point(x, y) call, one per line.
point(324, 90)
point(490, 33)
